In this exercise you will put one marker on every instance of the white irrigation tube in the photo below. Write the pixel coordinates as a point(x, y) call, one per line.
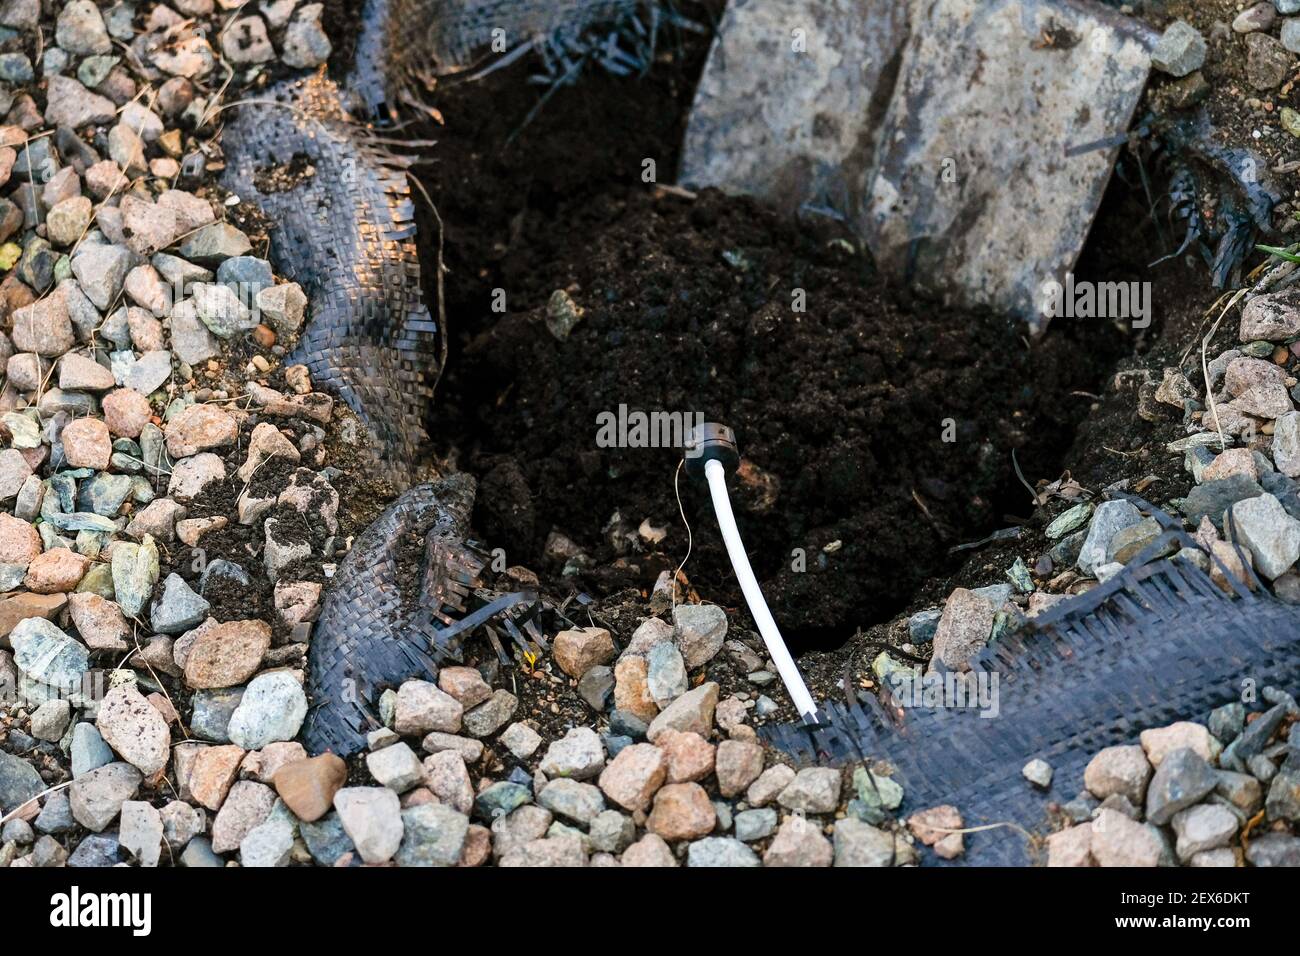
point(776, 649)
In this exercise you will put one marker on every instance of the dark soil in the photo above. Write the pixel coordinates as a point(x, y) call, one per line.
point(688, 308)
point(1120, 439)
point(844, 406)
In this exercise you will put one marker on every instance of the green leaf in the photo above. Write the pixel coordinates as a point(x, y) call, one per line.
point(1280, 252)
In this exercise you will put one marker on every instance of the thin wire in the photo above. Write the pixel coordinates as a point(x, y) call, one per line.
point(690, 539)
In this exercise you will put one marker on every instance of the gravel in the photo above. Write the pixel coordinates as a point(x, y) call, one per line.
point(1122, 770)
point(693, 711)
point(963, 628)
point(272, 708)
point(50, 720)
point(89, 751)
point(269, 844)
point(521, 740)
point(1272, 535)
point(372, 819)
point(757, 824)
point(134, 419)
point(178, 609)
point(489, 717)
point(699, 631)
point(813, 790)
point(432, 835)
point(1203, 827)
point(666, 676)
point(423, 708)
point(447, 777)
point(46, 654)
point(1110, 518)
point(1180, 50)
point(305, 42)
point(96, 797)
point(141, 832)
point(579, 755)
point(861, 844)
point(720, 851)
point(56, 815)
point(1038, 772)
point(396, 767)
point(578, 802)
point(246, 807)
point(134, 729)
point(19, 782)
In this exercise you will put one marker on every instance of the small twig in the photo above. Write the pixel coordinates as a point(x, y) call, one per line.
point(980, 829)
point(299, 111)
point(44, 793)
point(679, 191)
point(253, 474)
point(442, 299)
point(928, 516)
point(1033, 495)
point(135, 638)
point(893, 651)
point(1205, 368)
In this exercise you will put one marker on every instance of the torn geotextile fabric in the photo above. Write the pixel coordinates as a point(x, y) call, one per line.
point(1157, 643)
point(437, 36)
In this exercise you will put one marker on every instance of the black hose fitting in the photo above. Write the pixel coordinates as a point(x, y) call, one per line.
point(710, 441)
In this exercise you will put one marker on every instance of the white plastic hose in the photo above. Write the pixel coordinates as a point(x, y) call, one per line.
point(776, 649)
